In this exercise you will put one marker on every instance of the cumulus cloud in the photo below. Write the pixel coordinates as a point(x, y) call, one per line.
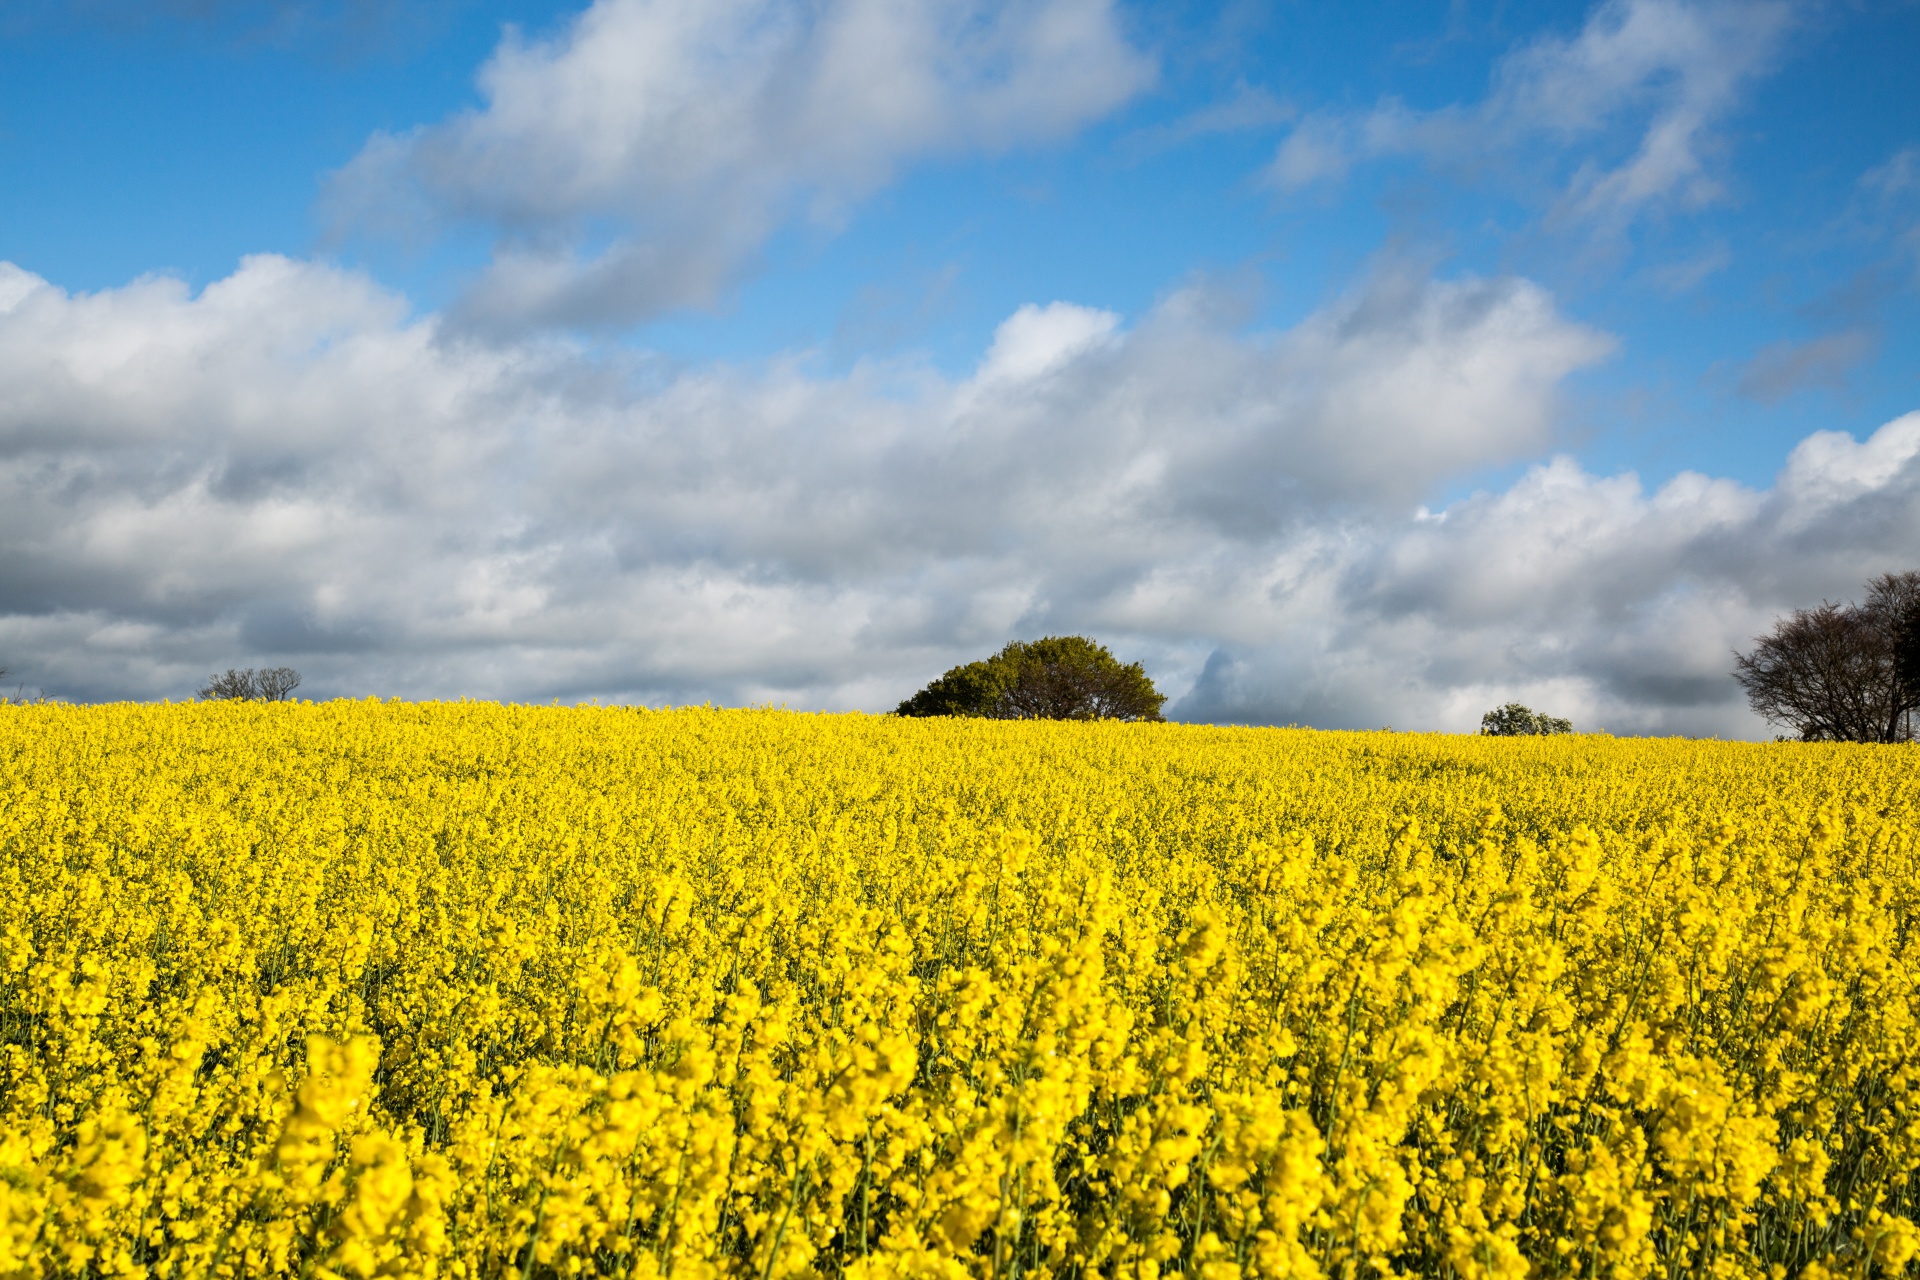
point(288, 467)
point(1586, 594)
point(1663, 74)
point(694, 128)
point(1035, 339)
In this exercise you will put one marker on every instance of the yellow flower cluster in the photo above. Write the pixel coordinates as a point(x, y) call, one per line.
point(360, 989)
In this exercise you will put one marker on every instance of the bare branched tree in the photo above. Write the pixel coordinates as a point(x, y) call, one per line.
point(269, 684)
point(1906, 644)
point(233, 686)
point(275, 684)
point(1893, 602)
point(1835, 673)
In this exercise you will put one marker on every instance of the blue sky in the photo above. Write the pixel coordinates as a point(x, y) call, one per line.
point(1423, 355)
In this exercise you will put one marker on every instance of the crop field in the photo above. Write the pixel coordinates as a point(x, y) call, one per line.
point(362, 989)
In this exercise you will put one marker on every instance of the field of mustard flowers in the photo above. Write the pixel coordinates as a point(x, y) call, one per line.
point(466, 990)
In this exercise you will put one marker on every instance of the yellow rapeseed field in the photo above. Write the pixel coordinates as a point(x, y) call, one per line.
point(466, 990)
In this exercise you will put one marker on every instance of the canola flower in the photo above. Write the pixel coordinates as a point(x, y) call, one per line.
point(360, 989)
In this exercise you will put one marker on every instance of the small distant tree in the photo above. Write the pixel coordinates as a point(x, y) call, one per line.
point(1055, 678)
point(268, 684)
point(1841, 672)
point(1516, 720)
point(275, 684)
point(233, 686)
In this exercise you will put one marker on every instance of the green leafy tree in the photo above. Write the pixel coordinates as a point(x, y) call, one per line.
point(1055, 678)
point(1516, 720)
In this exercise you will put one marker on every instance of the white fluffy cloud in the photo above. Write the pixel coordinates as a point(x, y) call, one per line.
point(696, 127)
point(1665, 73)
point(287, 468)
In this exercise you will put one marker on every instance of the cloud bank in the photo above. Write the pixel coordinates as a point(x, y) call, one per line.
point(635, 162)
point(289, 468)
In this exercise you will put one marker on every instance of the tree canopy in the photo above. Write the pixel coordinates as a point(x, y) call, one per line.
point(1055, 678)
point(1515, 719)
point(1841, 672)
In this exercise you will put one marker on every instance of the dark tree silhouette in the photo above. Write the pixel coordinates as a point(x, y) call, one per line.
point(1841, 672)
point(1515, 720)
point(268, 684)
point(1056, 678)
point(1906, 647)
point(275, 684)
point(233, 686)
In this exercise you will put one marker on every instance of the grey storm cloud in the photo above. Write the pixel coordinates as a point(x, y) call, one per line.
point(288, 467)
